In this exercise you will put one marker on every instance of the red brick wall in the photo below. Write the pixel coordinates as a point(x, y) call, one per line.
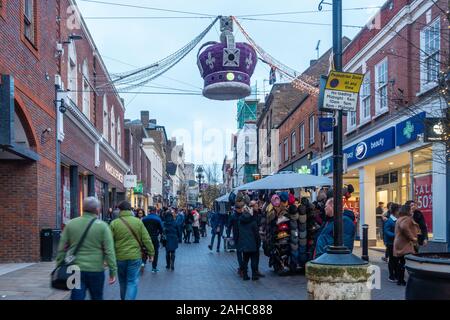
point(292, 123)
point(27, 188)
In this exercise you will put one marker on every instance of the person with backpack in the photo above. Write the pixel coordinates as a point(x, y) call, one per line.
point(90, 241)
point(154, 226)
point(132, 244)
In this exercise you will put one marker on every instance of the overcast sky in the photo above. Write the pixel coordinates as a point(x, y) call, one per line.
point(205, 125)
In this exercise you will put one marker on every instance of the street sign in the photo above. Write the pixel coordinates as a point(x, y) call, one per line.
point(139, 188)
point(130, 181)
point(326, 124)
point(341, 91)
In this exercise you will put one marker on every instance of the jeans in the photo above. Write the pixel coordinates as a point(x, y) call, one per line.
point(219, 236)
point(393, 261)
point(92, 281)
point(196, 234)
point(253, 256)
point(128, 271)
point(155, 258)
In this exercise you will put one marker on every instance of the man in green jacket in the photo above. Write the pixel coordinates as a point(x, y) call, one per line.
point(129, 234)
point(97, 248)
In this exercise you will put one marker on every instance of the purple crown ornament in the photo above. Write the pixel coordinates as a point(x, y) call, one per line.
point(227, 66)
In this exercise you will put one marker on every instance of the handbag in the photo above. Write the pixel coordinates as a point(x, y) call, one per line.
point(144, 251)
point(60, 275)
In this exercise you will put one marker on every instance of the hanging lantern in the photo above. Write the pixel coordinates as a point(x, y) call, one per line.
point(227, 66)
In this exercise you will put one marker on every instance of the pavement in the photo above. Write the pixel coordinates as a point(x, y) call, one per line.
point(200, 274)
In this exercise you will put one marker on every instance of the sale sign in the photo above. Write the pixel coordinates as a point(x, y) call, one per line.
point(424, 199)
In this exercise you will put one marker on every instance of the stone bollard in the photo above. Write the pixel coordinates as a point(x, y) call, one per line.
point(338, 282)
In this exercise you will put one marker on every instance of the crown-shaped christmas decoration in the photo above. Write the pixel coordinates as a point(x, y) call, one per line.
point(227, 66)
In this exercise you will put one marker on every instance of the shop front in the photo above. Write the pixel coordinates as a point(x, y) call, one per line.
point(395, 165)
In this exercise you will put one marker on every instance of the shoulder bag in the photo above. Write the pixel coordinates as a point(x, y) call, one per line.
point(144, 251)
point(60, 276)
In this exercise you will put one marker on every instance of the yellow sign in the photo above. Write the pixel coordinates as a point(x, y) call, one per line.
point(343, 81)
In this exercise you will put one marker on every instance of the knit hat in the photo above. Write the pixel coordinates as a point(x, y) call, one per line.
point(275, 200)
point(284, 196)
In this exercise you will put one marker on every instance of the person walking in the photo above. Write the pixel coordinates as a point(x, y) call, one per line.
point(385, 217)
point(140, 214)
point(131, 239)
point(170, 240)
point(389, 236)
point(379, 219)
point(196, 226)
point(96, 249)
point(248, 243)
point(154, 226)
point(218, 222)
point(189, 220)
point(406, 231)
point(179, 222)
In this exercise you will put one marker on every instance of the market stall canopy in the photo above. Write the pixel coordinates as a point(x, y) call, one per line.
point(286, 180)
point(223, 198)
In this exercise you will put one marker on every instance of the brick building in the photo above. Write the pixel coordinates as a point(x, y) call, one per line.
point(40, 62)
point(139, 163)
point(401, 53)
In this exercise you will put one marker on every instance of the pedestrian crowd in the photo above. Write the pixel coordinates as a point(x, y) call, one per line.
point(404, 232)
point(124, 243)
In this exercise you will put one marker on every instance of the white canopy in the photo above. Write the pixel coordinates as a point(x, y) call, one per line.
point(286, 180)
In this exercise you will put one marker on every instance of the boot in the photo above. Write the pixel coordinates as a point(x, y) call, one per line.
point(245, 276)
point(172, 261)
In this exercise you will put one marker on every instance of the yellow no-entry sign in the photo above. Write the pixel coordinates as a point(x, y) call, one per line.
point(343, 81)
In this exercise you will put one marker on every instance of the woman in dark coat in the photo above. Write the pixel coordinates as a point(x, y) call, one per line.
point(171, 240)
point(248, 242)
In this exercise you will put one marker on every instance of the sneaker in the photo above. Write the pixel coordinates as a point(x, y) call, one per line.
point(392, 279)
point(210, 247)
point(155, 270)
point(246, 277)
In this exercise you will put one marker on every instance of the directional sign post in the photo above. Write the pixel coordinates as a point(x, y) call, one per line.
point(341, 91)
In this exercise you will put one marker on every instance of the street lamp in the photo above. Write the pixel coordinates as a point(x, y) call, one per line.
point(200, 176)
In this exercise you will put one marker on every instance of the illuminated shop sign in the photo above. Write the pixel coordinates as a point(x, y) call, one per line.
point(113, 171)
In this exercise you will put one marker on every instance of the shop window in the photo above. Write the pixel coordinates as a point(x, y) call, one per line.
point(393, 177)
point(381, 87)
point(430, 54)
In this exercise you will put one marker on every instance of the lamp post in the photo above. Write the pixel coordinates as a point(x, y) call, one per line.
point(338, 274)
point(200, 176)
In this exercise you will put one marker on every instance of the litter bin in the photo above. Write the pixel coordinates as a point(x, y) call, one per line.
point(49, 243)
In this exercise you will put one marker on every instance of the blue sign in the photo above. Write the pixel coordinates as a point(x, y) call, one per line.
point(375, 145)
point(370, 147)
point(325, 124)
point(407, 131)
point(315, 169)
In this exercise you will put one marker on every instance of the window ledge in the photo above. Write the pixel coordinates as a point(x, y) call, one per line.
point(426, 88)
point(350, 130)
point(380, 113)
point(366, 121)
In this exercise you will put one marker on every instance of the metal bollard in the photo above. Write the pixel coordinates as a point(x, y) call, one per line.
point(365, 242)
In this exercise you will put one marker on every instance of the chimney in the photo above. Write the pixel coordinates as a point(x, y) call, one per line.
point(145, 116)
point(153, 121)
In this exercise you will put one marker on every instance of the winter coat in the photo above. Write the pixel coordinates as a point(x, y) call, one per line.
point(180, 219)
point(153, 224)
point(218, 220)
point(248, 235)
point(326, 237)
point(126, 246)
point(204, 216)
point(196, 222)
point(420, 220)
point(389, 231)
point(98, 246)
point(406, 231)
point(233, 225)
point(170, 233)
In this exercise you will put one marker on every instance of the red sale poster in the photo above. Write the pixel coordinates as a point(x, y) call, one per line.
point(424, 199)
